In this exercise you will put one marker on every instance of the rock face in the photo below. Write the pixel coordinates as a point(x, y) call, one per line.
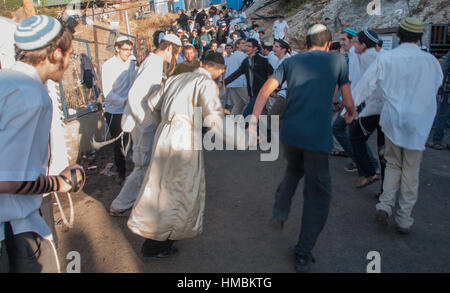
point(353, 13)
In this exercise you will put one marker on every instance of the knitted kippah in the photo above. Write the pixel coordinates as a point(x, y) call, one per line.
point(350, 31)
point(412, 24)
point(36, 32)
point(370, 38)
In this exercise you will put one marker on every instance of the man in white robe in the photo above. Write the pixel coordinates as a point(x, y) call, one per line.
point(149, 78)
point(171, 202)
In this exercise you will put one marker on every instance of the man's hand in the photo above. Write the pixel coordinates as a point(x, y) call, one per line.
point(253, 134)
point(274, 95)
point(349, 118)
point(63, 185)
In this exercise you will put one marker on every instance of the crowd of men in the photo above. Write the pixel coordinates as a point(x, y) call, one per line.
point(346, 91)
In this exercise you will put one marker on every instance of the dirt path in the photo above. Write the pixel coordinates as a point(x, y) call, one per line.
point(236, 238)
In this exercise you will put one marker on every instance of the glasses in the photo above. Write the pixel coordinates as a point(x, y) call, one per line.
point(126, 49)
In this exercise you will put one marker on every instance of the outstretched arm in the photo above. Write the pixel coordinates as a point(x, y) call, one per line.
point(43, 184)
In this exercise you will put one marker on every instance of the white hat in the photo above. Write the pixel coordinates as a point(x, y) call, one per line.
point(210, 19)
point(122, 38)
point(179, 30)
point(172, 39)
point(315, 29)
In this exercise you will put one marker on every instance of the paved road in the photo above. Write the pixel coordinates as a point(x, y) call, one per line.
point(236, 238)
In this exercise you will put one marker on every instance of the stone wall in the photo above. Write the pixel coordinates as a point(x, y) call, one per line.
point(80, 132)
point(352, 13)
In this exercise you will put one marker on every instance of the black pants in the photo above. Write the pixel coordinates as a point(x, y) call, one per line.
point(114, 125)
point(316, 191)
point(360, 131)
point(27, 253)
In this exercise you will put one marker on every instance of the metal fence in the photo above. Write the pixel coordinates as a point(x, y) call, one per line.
point(77, 98)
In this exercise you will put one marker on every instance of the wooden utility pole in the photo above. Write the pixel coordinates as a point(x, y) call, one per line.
point(28, 6)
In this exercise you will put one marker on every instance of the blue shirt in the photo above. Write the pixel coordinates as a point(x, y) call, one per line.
point(311, 81)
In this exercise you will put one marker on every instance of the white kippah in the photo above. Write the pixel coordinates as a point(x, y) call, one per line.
point(122, 38)
point(36, 32)
point(173, 39)
point(315, 29)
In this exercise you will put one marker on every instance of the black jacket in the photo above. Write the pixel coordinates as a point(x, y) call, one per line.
point(261, 72)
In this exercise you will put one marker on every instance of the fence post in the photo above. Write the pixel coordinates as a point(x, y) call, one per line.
point(63, 99)
point(96, 55)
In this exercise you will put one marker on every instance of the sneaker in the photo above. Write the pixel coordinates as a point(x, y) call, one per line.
point(381, 217)
point(303, 263)
point(351, 167)
point(401, 230)
point(119, 213)
point(436, 146)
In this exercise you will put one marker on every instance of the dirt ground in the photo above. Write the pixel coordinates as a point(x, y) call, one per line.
point(236, 237)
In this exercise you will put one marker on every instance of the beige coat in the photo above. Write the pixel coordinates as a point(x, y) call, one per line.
point(172, 198)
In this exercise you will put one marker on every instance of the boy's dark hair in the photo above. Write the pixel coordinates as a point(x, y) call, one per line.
point(121, 43)
point(269, 48)
point(214, 59)
point(253, 41)
point(380, 43)
point(335, 46)
point(408, 37)
point(319, 39)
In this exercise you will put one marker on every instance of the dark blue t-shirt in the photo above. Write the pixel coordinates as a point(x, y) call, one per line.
point(311, 81)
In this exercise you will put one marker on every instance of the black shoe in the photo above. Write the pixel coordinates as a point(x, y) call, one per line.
point(303, 263)
point(164, 254)
point(401, 230)
point(381, 217)
point(351, 167)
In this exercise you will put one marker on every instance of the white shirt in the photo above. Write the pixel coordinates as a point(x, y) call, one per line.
point(7, 52)
point(354, 67)
point(408, 79)
point(227, 64)
point(116, 82)
point(282, 93)
point(148, 78)
point(279, 29)
point(374, 102)
point(273, 60)
point(233, 65)
point(25, 119)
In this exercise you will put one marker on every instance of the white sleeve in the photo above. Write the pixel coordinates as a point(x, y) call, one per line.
point(107, 79)
point(367, 85)
point(147, 78)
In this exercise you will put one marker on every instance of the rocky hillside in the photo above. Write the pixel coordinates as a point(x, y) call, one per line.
point(350, 13)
